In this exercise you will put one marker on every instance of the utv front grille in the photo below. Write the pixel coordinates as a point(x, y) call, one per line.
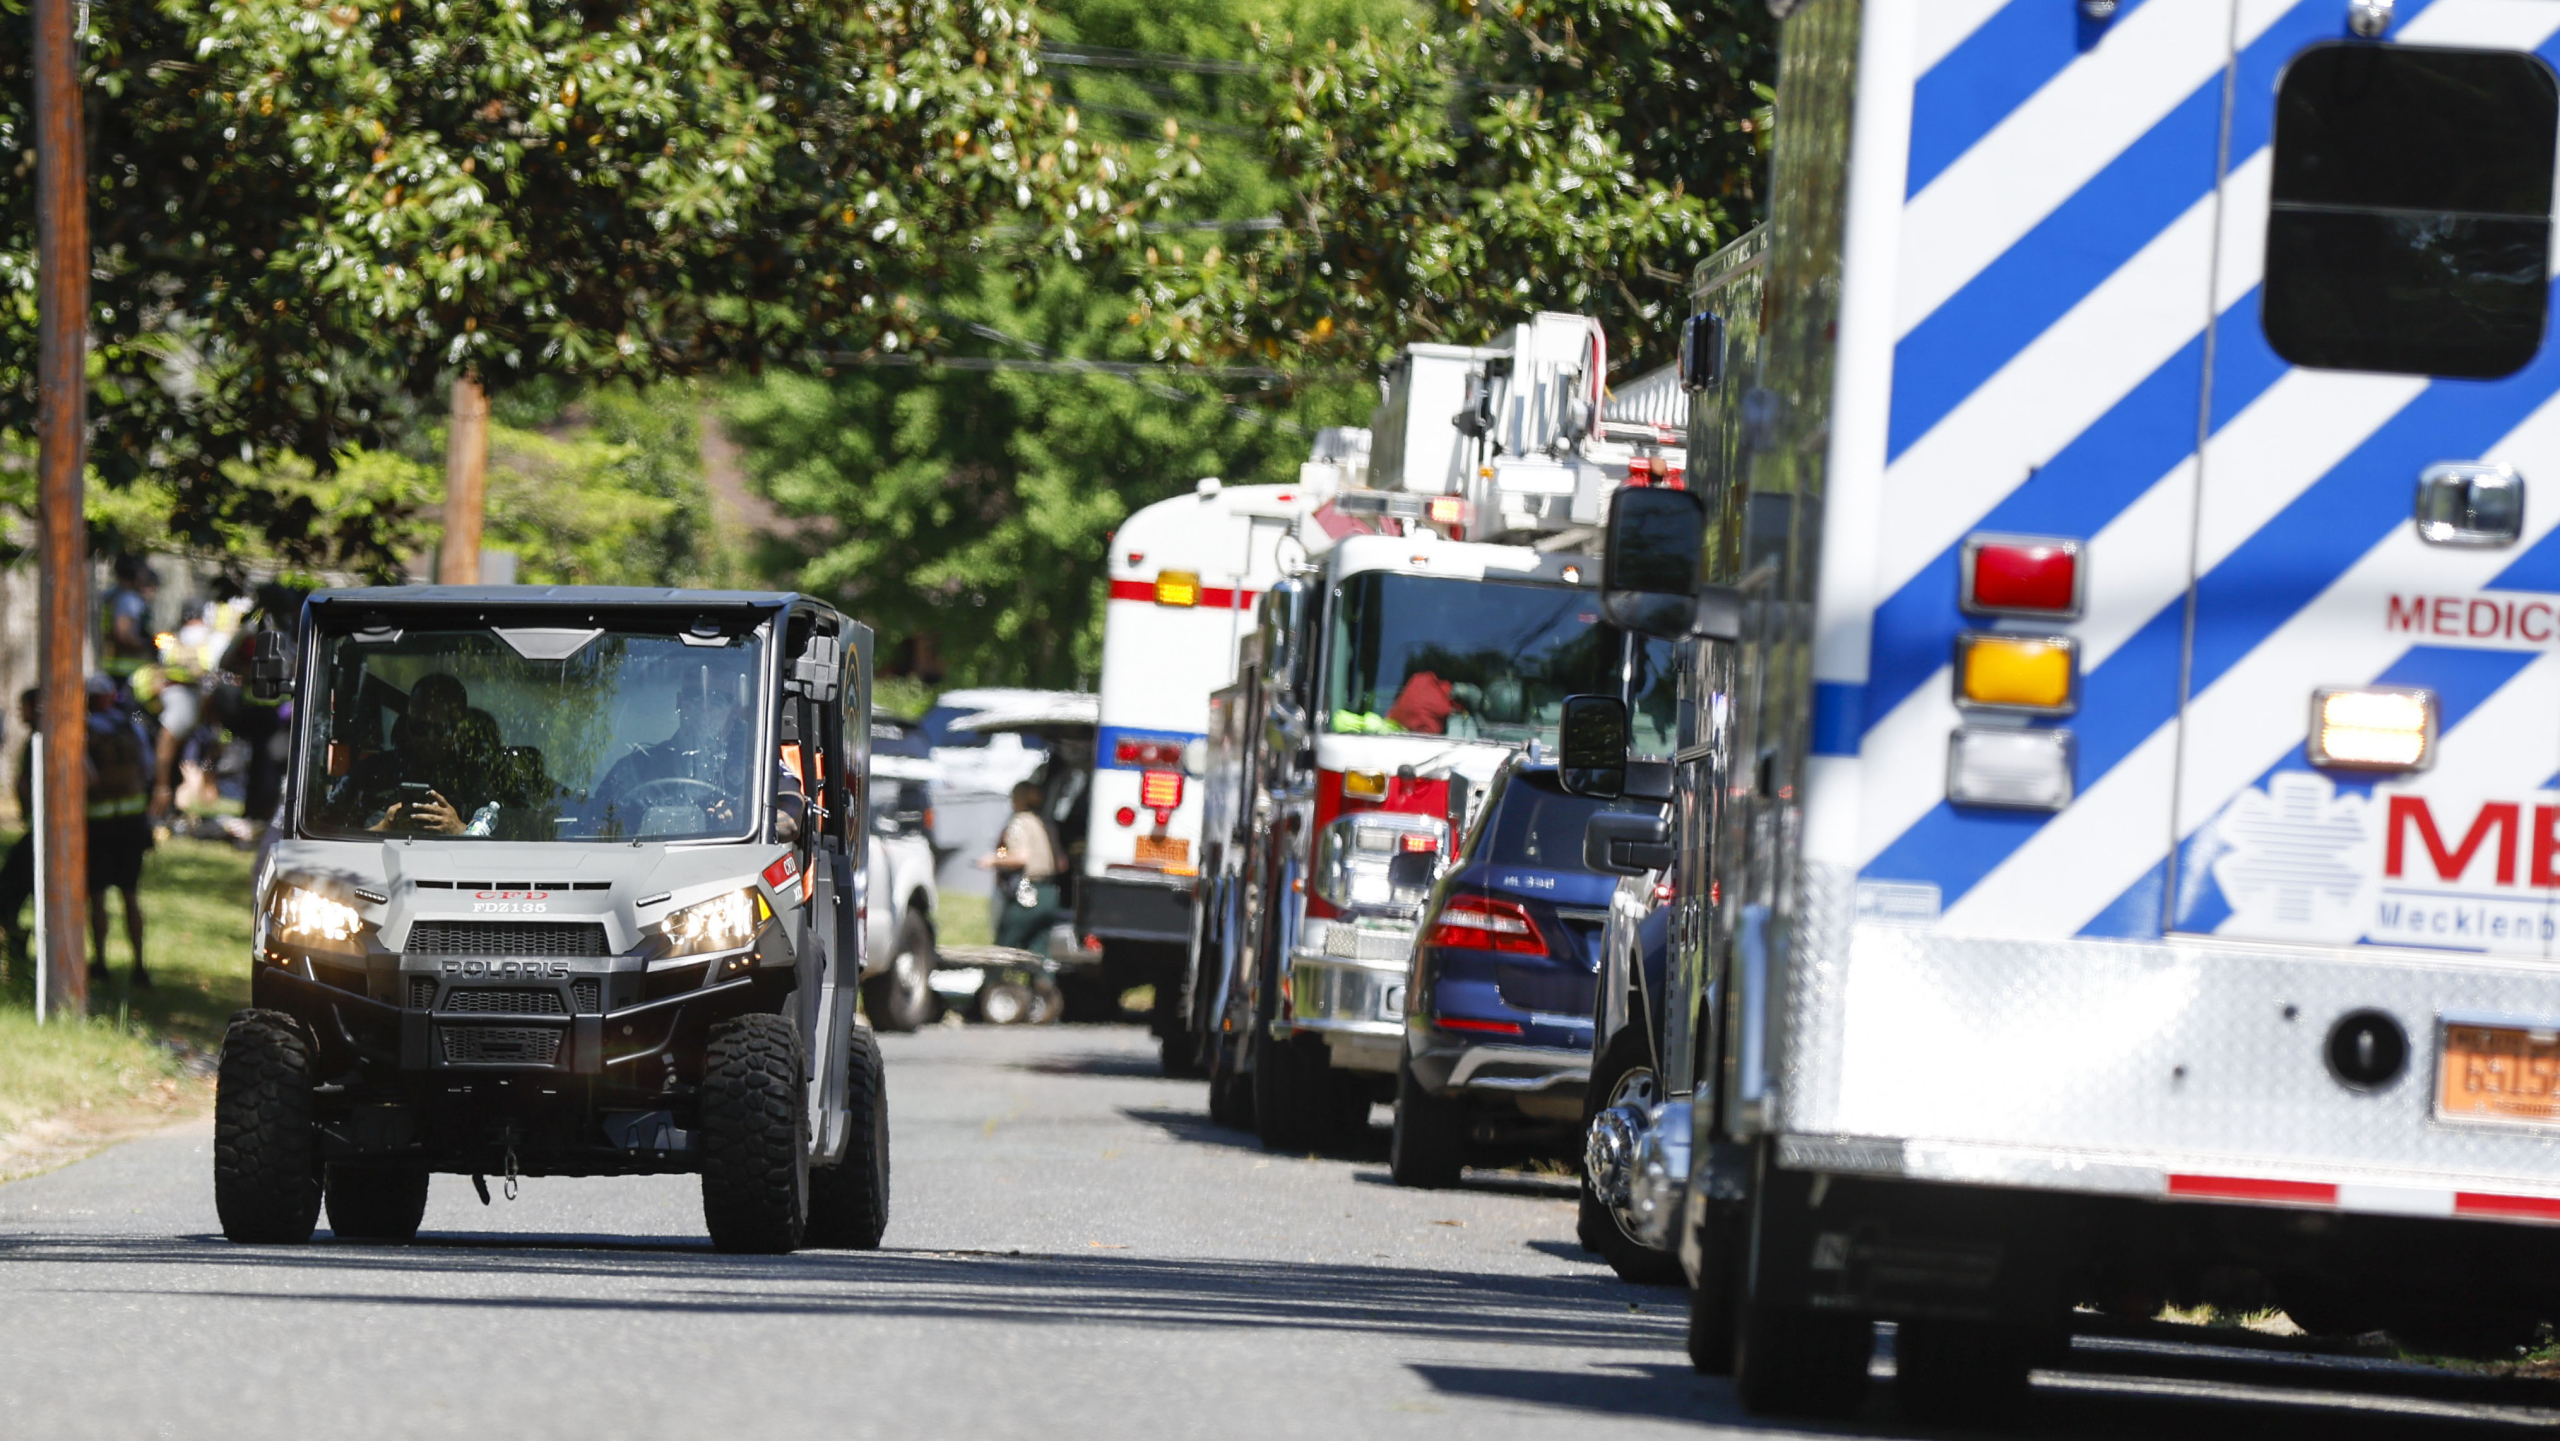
point(500, 1045)
point(422, 993)
point(506, 938)
point(1548, 992)
point(491, 1001)
point(590, 995)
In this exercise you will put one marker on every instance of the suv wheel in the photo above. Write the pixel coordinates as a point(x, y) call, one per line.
point(376, 1203)
point(266, 1164)
point(1430, 1144)
point(849, 1201)
point(901, 997)
point(755, 1136)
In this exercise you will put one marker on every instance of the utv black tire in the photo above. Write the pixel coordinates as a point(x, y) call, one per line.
point(376, 1203)
point(901, 997)
point(266, 1147)
point(849, 1201)
point(1429, 1148)
point(1293, 1102)
point(1625, 1062)
point(1962, 1372)
point(755, 1136)
point(1789, 1362)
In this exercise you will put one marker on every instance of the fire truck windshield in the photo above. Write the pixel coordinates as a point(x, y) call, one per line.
point(533, 735)
point(1467, 659)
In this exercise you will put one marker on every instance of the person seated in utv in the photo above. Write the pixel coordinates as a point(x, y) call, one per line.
point(691, 782)
point(421, 785)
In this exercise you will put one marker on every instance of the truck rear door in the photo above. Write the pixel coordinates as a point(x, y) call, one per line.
point(2372, 716)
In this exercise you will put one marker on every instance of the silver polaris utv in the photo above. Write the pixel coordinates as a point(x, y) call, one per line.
point(570, 883)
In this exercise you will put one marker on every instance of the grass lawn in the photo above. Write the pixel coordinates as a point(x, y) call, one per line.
point(140, 1048)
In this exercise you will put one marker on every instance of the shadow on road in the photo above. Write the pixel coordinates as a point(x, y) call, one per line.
point(500, 1274)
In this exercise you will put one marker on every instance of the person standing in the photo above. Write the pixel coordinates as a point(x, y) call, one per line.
point(126, 642)
point(119, 776)
point(1025, 861)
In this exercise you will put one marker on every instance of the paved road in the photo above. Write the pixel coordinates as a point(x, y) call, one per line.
point(1075, 1251)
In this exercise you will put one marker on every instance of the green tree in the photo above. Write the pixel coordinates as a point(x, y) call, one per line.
point(1446, 178)
point(306, 215)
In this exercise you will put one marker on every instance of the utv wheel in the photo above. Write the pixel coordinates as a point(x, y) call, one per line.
point(901, 997)
point(1003, 1003)
point(1429, 1149)
point(849, 1201)
point(1624, 1076)
point(266, 1162)
point(1962, 1372)
point(376, 1203)
point(755, 1136)
point(1800, 1363)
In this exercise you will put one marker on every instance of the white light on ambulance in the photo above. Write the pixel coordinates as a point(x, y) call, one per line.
point(2379, 728)
point(1177, 587)
point(2010, 768)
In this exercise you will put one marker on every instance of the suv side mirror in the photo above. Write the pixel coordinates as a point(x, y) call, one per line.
point(1626, 844)
point(271, 667)
point(1591, 746)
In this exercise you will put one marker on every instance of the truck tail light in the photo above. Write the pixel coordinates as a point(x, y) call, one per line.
point(2021, 575)
point(2033, 673)
point(2374, 728)
point(1160, 791)
point(1448, 510)
point(2010, 769)
point(1143, 754)
point(1485, 923)
point(1178, 587)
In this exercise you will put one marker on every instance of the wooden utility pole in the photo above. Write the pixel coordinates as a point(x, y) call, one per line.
point(466, 474)
point(62, 532)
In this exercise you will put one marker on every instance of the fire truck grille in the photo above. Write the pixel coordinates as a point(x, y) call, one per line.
point(506, 938)
point(500, 1045)
point(496, 1002)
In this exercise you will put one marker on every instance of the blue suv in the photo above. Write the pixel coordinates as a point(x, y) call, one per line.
point(1498, 1006)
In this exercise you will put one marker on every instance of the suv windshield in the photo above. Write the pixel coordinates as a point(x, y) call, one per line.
point(1467, 659)
point(533, 734)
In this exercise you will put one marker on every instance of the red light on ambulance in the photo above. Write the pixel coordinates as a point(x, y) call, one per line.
point(1160, 791)
point(1143, 754)
point(2021, 575)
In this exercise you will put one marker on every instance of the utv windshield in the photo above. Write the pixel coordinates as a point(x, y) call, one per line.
point(533, 734)
point(1470, 660)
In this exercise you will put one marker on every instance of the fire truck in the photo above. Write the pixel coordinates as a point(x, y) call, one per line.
point(1443, 612)
point(1184, 574)
point(2117, 835)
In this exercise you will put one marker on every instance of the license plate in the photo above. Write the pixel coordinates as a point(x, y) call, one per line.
point(2499, 1073)
point(1163, 851)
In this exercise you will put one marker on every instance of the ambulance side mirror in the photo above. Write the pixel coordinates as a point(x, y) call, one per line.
point(1591, 746)
point(1652, 574)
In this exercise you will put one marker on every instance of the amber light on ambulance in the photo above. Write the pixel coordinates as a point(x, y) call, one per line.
point(2029, 673)
point(1178, 587)
point(2388, 728)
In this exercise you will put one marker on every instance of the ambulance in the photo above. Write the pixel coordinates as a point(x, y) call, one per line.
point(2118, 827)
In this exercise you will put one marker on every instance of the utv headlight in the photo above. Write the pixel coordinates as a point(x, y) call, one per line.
point(722, 923)
point(307, 918)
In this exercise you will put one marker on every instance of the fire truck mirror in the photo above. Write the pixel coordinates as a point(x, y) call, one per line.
point(1625, 843)
point(1650, 572)
point(1591, 746)
point(1284, 609)
point(1702, 351)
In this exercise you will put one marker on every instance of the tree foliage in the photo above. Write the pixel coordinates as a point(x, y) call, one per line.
point(1446, 178)
point(307, 214)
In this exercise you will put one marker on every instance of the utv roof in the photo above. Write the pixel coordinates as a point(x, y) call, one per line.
point(561, 595)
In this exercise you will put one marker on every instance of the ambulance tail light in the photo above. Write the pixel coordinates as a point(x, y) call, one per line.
point(1177, 587)
point(2022, 575)
point(2373, 728)
point(2030, 674)
point(1160, 791)
point(1142, 754)
point(2010, 768)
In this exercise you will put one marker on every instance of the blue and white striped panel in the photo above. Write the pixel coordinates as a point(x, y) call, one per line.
point(2061, 246)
